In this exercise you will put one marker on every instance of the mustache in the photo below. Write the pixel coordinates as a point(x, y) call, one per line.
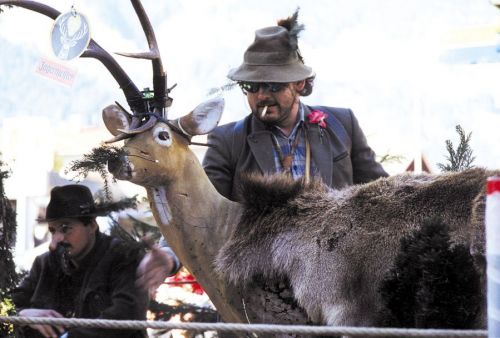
point(262, 104)
point(62, 247)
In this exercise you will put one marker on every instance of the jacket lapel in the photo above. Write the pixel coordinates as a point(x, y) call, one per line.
point(321, 148)
point(325, 147)
point(261, 146)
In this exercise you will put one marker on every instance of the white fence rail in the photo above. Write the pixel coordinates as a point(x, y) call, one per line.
point(242, 328)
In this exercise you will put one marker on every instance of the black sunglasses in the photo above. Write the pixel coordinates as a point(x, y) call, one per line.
point(253, 87)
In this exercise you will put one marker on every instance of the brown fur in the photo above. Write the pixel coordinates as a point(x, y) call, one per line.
point(336, 246)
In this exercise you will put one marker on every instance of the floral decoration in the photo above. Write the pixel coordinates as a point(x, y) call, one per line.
point(317, 117)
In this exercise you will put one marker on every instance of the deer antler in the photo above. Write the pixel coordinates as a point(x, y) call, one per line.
point(133, 95)
point(161, 98)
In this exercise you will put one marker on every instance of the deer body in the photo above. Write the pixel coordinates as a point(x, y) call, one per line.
point(337, 247)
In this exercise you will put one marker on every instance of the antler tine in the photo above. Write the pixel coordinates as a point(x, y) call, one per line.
point(161, 98)
point(133, 95)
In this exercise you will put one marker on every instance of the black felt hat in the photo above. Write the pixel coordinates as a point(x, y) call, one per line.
point(70, 201)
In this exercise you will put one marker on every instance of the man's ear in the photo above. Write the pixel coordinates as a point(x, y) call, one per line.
point(299, 85)
point(94, 225)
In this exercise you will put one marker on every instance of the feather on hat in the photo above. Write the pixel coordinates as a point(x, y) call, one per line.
point(294, 28)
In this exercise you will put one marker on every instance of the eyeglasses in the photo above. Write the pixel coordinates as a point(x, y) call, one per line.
point(253, 87)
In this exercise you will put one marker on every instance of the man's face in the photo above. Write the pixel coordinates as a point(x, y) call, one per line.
point(282, 104)
point(74, 235)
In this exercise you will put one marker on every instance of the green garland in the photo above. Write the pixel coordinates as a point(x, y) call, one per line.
point(97, 161)
point(8, 276)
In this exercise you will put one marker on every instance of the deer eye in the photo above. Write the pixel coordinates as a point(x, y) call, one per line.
point(162, 136)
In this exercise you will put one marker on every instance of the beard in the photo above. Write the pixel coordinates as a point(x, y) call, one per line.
point(276, 113)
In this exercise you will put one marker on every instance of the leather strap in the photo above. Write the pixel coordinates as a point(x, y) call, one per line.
point(307, 174)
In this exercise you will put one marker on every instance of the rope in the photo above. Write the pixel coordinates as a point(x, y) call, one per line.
point(256, 328)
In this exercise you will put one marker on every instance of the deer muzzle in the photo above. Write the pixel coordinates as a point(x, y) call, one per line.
point(120, 168)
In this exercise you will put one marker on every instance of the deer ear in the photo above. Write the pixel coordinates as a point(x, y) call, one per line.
point(116, 118)
point(204, 118)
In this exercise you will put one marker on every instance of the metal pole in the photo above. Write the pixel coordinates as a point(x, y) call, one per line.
point(492, 221)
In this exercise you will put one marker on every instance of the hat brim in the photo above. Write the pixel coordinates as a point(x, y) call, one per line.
point(271, 73)
point(93, 214)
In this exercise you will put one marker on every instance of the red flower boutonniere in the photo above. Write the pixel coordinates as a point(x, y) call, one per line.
point(317, 117)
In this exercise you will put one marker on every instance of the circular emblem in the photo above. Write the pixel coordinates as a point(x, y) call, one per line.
point(70, 35)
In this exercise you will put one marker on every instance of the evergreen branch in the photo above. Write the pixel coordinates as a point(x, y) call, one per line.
point(116, 230)
point(388, 158)
point(135, 235)
point(224, 88)
point(461, 158)
point(8, 276)
point(124, 203)
point(97, 161)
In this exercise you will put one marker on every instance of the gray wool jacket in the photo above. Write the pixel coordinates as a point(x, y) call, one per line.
point(340, 152)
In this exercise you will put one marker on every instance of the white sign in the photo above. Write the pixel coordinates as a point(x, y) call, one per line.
point(70, 35)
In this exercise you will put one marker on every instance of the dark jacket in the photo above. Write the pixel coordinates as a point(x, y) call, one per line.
point(102, 288)
point(340, 152)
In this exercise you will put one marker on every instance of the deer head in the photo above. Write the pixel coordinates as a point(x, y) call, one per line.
point(156, 151)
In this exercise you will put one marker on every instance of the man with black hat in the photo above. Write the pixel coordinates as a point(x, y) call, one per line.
point(85, 274)
point(282, 134)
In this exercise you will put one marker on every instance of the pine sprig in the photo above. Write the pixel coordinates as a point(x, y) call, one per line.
point(109, 206)
point(461, 158)
point(4, 174)
point(97, 161)
point(116, 230)
point(139, 230)
point(388, 158)
point(8, 276)
point(222, 89)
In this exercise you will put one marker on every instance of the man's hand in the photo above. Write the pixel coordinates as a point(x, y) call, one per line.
point(153, 269)
point(46, 330)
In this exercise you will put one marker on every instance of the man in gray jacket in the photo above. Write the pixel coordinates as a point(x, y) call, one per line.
point(282, 134)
